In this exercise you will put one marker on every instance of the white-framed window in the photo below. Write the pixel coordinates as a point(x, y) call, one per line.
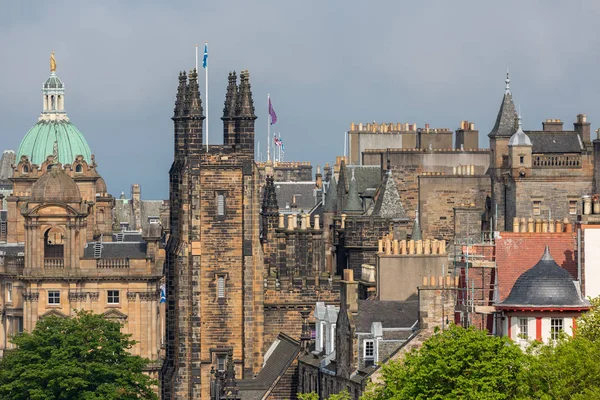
point(9, 292)
point(556, 327)
point(537, 207)
point(221, 287)
point(54, 297)
point(332, 337)
point(369, 349)
point(322, 335)
point(220, 205)
point(573, 207)
point(523, 328)
point(113, 297)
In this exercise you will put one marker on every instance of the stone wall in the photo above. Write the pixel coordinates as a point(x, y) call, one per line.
point(467, 223)
point(439, 195)
point(399, 276)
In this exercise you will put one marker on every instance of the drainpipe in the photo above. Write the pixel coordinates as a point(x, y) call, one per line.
point(579, 260)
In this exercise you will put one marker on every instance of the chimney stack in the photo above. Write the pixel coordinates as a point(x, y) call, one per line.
point(349, 292)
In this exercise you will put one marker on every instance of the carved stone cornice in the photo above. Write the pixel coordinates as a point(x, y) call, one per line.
point(31, 296)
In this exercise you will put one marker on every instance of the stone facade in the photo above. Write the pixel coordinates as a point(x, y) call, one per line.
point(58, 254)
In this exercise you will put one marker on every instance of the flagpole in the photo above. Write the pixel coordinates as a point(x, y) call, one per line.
point(268, 129)
point(196, 58)
point(279, 146)
point(206, 91)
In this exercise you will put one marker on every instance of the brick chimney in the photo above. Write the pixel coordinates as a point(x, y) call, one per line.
point(349, 291)
point(582, 127)
point(552, 125)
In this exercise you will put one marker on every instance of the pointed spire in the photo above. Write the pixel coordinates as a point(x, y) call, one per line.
point(269, 203)
point(342, 186)
point(388, 203)
point(353, 204)
point(181, 94)
point(506, 121)
point(194, 100)
point(230, 98)
point(547, 256)
point(331, 196)
point(245, 104)
point(416, 231)
point(520, 138)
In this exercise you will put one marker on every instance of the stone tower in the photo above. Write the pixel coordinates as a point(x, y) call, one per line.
point(214, 257)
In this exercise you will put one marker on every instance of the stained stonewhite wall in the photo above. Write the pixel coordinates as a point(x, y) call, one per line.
point(592, 262)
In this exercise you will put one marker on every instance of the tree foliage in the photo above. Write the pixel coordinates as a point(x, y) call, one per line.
point(456, 363)
point(588, 325)
point(81, 358)
point(567, 369)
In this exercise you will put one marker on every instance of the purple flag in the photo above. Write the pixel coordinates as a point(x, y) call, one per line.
point(272, 113)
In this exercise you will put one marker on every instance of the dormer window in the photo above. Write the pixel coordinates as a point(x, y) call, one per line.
point(79, 168)
point(25, 169)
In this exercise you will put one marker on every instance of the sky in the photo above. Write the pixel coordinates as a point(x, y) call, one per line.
point(325, 64)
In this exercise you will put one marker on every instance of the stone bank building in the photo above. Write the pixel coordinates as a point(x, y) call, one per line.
point(58, 250)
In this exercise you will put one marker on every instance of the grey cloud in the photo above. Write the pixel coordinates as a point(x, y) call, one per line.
point(325, 63)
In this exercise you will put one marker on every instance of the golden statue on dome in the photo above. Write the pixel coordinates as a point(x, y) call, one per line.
point(52, 63)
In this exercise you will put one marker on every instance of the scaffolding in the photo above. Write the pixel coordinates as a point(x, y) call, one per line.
point(474, 263)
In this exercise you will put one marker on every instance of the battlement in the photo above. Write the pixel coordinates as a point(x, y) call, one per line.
point(389, 247)
point(391, 127)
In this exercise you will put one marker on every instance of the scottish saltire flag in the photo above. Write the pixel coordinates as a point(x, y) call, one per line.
point(205, 59)
point(272, 112)
point(163, 294)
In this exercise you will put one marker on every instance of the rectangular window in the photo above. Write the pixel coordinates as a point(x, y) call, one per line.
point(556, 326)
point(537, 207)
point(573, 207)
point(8, 292)
point(369, 346)
point(332, 337)
point(54, 297)
point(322, 335)
point(19, 321)
point(113, 297)
point(221, 287)
point(220, 204)
point(522, 160)
point(523, 328)
point(221, 362)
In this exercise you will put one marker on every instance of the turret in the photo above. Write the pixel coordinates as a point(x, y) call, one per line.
point(519, 148)
point(353, 205)
point(229, 110)
point(188, 116)
point(245, 116)
point(505, 126)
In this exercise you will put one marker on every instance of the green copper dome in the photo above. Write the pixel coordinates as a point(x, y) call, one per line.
point(54, 135)
point(38, 144)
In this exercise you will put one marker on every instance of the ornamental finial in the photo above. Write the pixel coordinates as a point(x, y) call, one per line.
point(507, 88)
point(52, 63)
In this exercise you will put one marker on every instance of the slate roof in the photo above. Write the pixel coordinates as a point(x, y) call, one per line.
point(331, 196)
point(275, 366)
point(387, 202)
point(117, 250)
point(506, 121)
point(545, 285)
point(353, 204)
point(555, 142)
point(367, 176)
point(519, 138)
point(391, 314)
point(305, 192)
point(149, 208)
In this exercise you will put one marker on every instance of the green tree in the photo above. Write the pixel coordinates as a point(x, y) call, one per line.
point(567, 369)
point(308, 396)
point(588, 325)
point(452, 364)
point(81, 358)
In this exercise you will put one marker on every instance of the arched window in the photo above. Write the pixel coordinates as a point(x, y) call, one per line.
point(25, 169)
point(79, 168)
point(52, 103)
point(54, 244)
